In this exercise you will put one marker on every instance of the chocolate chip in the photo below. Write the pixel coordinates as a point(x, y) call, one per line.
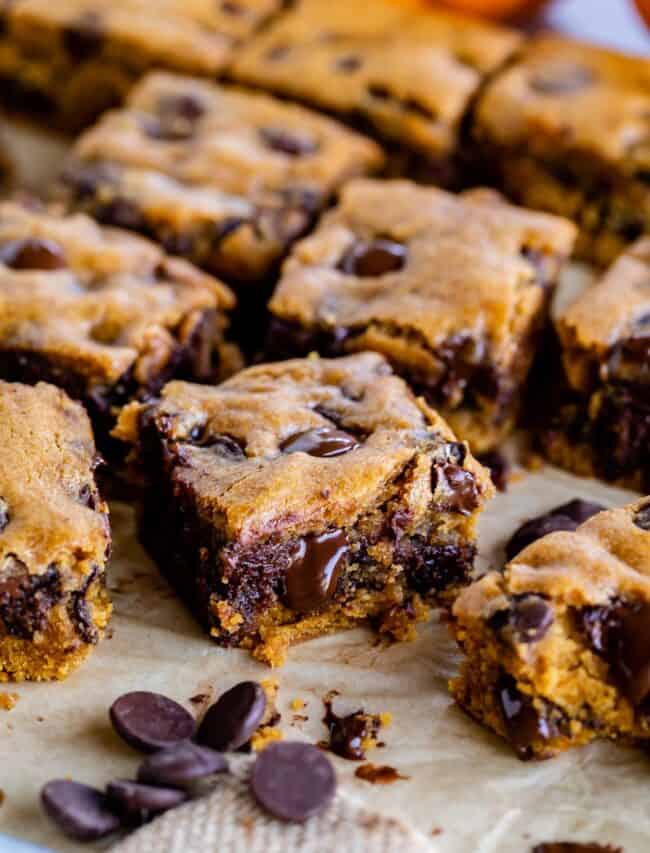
point(455, 488)
point(33, 254)
point(181, 765)
point(348, 64)
point(293, 781)
point(322, 442)
point(579, 510)
point(315, 569)
point(25, 599)
point(523, 724)
point(176, 119)
point(137, 801)
point(149, 721)
point(85, 38)
point(220, 445)
point(233, 719)
point(642, 517)
point(81, 812)
point(287, 143)
point(562, 79)
point(122, 213)
point(374, 258)
point(4, 515)
point(349, 734)
point(530, 617)
point(568, 517)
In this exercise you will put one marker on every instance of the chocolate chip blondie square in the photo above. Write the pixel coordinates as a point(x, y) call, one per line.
point(566, 128)
point(557, 647)
point(102, 313)
point(222, 176)
point(54, 535)
point(303, 497)
point(67, 61)
point(600, 424)
point(453, 290)
point(407, 76)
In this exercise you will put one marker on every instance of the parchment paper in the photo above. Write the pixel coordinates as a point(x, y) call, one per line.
point(466, 791)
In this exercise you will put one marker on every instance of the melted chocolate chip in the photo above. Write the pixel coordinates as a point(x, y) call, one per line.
point(81, 812)
point(374, 258)
point(26, 600)
point(233, 719)
point(287, 143)
point(222, 445)
point(642, 517)
point(565, 79)
point(322, 442)
point(293, 781)
point(530, 617)
point(315, 569)
point(4, 515)
point(523, 724)
point(568, 517)
point(84, 39)
point(348, 735)
point(456, 489)
point(32, 254)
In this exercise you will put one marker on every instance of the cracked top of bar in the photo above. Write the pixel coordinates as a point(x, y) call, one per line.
point(238, 453)
point(465, 265)
point(410, 74)
point(194, 35)
point(50, 512)
point(565, 95)
point(97, 298)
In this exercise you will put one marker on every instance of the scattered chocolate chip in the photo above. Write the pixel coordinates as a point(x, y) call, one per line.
point(348, 64)
point(642, 517)
point(524, 725)
point(181, 765)
point(32, 254)
point(4, 514)
point(233, 719)
point(287, 143)
point(149, 721)
point(568, 516)
point(530, 617)
point(348, 735)
point(137, 801)
point(562, 79)
point(575, 847)
point(322, 442)
point(455, 488)
point(85, 38)
point(293, 781)
point(81, 812)
point(315, 569)
point(374, 258)
point(499, 468)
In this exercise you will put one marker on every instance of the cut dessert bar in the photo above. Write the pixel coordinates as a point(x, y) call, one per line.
point(54, 535)
point(102, 313)
point(67, 61)
point(224, 177)
point(566, 129)
point(407, 75)
point(451, 289)
point(600, 423)
point(557, 647)
point(303, 497)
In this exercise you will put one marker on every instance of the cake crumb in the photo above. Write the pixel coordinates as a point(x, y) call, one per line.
point(297, 704)
point(8, 701)
point(265, 736)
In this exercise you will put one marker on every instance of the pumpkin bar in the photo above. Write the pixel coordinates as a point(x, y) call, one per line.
point(224, 177)
point(453, 290)
point(557, 649)
point(54, 535)
point(304, 497)
point(566, 128)
point(102, 313)
point(600, 424)
point(67, 61)
point(407, 76)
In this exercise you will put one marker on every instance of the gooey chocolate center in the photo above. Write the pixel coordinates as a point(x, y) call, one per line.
point(323, 442)
point(315, 569)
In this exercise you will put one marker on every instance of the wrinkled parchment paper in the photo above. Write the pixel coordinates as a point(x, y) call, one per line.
point(466, 792)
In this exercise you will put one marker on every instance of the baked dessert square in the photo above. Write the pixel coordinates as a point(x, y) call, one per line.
point(556, 646)
point(304, 497)
point(102, 313)
point(566, 129)
point(227, 178)
point(453, 290)
point(600, 414)
point(408, 76)
point(67, 61)
point(55, 536)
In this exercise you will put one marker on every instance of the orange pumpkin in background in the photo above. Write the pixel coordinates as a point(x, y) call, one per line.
point(644, 10)
point(499, 10)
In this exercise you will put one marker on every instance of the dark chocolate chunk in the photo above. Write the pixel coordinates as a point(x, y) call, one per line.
point(530, 617)
point(287, 143)
point(374, 258)
point(4, 515)
point(26, 600)
point(642, 517)
point(315, 569)
point(33, 254)
point(458, 489)
point(523, 724)
point(562, 79)
point(233, 719)
point(180, 765)
point(293, 781)
point(149, 721)
point(569, 517)
point(575, 847)
point(81, 812)
point(84, 39)
point(137, 801)
point(499, 468)
point(348, 734)
point(323, 442)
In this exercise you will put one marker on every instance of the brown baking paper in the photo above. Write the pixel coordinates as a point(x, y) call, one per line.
point(465, 790)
